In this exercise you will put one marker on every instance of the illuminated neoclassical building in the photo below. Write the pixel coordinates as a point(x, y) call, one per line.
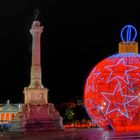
point(8, 111)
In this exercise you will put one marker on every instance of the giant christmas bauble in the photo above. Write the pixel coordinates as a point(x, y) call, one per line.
point(112, 92)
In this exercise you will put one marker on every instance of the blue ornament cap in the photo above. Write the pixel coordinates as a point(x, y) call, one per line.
point(126, 34)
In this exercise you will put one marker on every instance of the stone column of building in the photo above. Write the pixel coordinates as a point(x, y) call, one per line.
point(36, 94)
point(36, 31)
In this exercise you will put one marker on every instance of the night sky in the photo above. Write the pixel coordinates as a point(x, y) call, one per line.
point(77, 35)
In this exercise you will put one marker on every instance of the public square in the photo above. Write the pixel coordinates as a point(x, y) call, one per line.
point(72, 134)
point(70, 70)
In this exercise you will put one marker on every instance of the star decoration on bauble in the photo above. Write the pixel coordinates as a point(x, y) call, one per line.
point(117, 101)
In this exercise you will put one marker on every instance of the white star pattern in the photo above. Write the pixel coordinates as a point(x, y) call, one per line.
point(119, 104)
point(92, 106)
point(114, 75)
point(131, 86)
point(131, 108)
point(90, 84)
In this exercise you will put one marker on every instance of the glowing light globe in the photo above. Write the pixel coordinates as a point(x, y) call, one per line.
point(112, 89)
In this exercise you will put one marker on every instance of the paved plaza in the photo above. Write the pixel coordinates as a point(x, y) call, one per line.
point(72, 134)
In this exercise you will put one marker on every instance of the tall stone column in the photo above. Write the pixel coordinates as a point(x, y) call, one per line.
point(35, 93)
point(36, 31)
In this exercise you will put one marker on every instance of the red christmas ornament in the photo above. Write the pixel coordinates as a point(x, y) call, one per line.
point(112, 90)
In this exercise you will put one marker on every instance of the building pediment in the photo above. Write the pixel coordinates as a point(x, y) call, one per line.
point(9, 108)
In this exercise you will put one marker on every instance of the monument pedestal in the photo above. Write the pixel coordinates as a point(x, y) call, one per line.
point(36, 96)
point(43, 118)
point(37, 118)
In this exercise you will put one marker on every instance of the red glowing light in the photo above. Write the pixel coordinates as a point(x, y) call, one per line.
point(112, 92)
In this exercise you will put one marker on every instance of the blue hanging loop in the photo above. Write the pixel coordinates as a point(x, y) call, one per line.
point(129, 38)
